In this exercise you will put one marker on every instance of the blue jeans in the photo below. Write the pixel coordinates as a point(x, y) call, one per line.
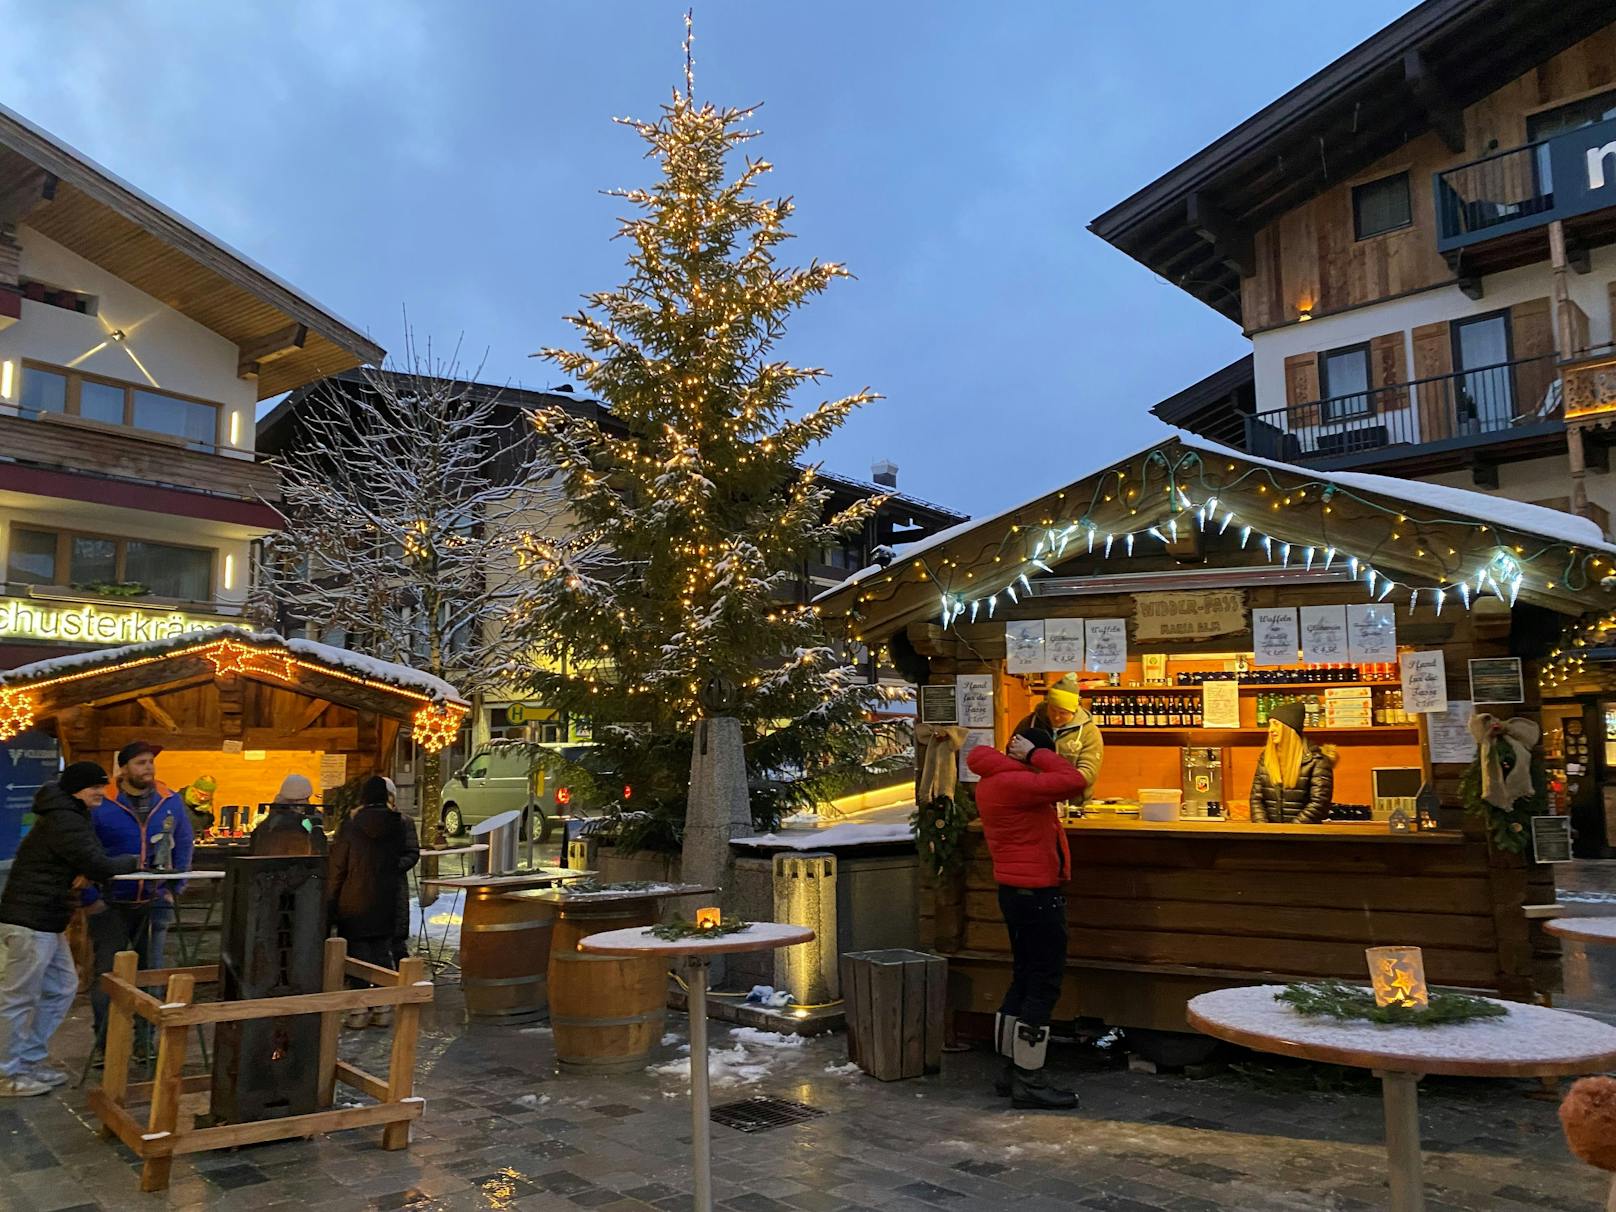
point(138, 926)
point(36, 989)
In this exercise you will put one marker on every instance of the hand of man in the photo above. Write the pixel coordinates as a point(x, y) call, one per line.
point(1019, 748)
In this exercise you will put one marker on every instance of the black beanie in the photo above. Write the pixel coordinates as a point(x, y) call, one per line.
point(374, 791)
point(1293, 715)
point(80, 775)
point(1040, 738)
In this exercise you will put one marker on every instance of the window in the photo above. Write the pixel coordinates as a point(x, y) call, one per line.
point(1486, 391)
point(1562, 118)
point(54, 557)
point(47, 389)
point(1381, 206)
point(1344, 380)
point(31, 559)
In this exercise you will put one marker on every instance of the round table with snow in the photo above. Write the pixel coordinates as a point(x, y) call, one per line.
point(694, 951)
point(1584, 929)
point(1529, 1041)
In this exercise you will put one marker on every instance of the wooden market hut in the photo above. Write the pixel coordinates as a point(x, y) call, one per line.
point(243, 708)
point(1182, 543)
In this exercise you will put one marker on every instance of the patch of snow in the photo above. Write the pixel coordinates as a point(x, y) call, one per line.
point(766, 1039)
point(537, 1030)
point(533, 1100)
point(766, 995)
point(824, 839)
point(670, 1039)
point(725, 1067)
point(847, 1070)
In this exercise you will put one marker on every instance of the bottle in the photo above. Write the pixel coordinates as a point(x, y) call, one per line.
point(1154, 708)
point(1402, 716)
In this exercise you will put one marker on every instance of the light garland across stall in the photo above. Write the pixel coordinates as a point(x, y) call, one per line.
point(1501, 570)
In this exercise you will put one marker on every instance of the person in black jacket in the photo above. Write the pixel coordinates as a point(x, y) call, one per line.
point(367, 870)
point(1295, 779)
point(39, 980)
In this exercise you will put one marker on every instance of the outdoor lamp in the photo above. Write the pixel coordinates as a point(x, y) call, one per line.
point(1398, 974)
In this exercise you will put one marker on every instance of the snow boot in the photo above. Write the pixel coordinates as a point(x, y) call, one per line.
point(1004, 1034)
point(1029, 1089)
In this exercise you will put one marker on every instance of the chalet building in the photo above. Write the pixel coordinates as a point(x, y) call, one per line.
point(902, 519)
point(134, 348)
point(1420, 242)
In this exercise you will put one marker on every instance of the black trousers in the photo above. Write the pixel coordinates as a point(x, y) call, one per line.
point(1036, 919)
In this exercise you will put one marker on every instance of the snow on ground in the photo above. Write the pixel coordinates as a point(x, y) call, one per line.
point(767, 1039)
point(753, 1058)
point(836, 835)
point(533, 1100)
point(442, 919)
point(846, 1070)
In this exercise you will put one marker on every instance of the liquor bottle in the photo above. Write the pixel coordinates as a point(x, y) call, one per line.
point(1181, 715)
point(1154, 708)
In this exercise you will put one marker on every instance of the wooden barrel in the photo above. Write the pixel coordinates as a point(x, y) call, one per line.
point(607, 1011)
point(505, 955)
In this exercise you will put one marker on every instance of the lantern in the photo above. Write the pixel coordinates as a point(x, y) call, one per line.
point(1398, 975)
point(708, 919)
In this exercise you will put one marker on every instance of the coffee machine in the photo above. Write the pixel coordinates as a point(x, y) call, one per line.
point(1201, 772)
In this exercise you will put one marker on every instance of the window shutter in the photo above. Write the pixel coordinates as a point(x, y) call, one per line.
point(1302, 388)
point(1433, 359)
point(1531, 328)
point(1388, 367)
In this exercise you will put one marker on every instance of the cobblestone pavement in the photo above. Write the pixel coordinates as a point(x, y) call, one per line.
point(504, 1130)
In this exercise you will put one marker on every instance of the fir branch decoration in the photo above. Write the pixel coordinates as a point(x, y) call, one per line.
point(940, 831)
point(1510, 828)
point(679, 928)
point(594, 885)
point(1339, 1000)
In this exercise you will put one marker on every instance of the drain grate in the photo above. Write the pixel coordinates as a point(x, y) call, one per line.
point(761, 1114)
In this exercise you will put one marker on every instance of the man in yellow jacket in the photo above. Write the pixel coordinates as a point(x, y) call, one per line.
point(1077, 736)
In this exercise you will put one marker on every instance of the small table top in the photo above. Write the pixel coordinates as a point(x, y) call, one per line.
point(759, 936)
point(565, 897)
point(478, 848)
point(521, 879)
point(135, 877)
point(1530, 1041)
point(1584, 929)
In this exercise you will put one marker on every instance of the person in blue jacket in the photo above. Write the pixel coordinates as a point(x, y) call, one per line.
point(139, 817)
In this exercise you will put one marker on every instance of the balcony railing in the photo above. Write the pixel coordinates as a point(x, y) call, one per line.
point(1504, 192)
point(1495, 400)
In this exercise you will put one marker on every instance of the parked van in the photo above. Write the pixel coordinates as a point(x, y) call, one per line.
point(504, 779)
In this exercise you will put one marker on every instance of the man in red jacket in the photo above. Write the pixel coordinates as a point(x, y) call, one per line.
point(1017, 799)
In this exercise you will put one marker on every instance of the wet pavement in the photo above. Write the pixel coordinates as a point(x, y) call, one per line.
point(505, 1130)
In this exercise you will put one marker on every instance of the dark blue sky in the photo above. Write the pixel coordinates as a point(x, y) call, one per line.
point(448, 157)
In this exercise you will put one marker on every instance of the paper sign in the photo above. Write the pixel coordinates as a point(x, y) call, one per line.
point(1449, 734)
point(1551, 839)
point(1324, 634)
point(974, 699)
point(1425, 681)
point(231, 747)
point(939, 705)
point(1371, 632)
point(1496, 680)
point(1024, 646)
point(1273, 634)
point(1063, 644)
point(333, 770)
point(1220, 704)
point(1105, 644)
point(1188, 616)
point(973, 738)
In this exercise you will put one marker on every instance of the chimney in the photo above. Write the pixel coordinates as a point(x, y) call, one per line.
point(885, 473)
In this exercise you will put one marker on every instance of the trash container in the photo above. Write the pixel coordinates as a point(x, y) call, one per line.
point(894, 1004)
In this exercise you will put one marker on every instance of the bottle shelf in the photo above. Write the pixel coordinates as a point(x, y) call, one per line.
point(1209, 736)
point(1245, 688)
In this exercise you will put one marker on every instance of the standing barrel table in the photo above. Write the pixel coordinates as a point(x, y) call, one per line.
point(607, 1010)
point(505, 944)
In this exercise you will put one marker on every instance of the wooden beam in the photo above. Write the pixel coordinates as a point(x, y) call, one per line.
point(228, 1136)
point(1232, 243)
point(27, 194)
point(141, 1092)
point(115, 1121)
point(366, 1083)
point(316, 709)
point(336, 953)
point(150, 707)
point(295, 1003)
point(277, 344)
point(1445, 115)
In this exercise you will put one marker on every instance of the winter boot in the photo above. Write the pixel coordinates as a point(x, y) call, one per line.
point(1029, 1089)
point(1004, 1035)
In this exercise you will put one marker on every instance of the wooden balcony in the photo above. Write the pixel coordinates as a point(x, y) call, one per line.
point(67, 444)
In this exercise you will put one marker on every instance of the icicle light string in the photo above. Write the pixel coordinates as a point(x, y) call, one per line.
point(1502, 572)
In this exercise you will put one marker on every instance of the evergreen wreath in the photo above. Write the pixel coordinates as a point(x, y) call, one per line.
point(1510, 828)
point(1339, 1000)
point(940, 830)
point(679, 928)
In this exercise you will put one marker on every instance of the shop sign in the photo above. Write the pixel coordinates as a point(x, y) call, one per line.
point(1105, 645)
point(1324, 634)
point(1188, 616)
point(938, 705)
point(1024, 646)
point(1425, 682)
point(84, 623)
point(1371, 633)
point(1273, 635)
point(975, 699)
point(1496, 680)
point(1063, 643)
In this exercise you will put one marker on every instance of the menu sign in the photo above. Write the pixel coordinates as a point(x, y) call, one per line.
point(1220, 704)
point(939, 705)
point(1024, 646)
point(1371, 632)
point(1448, 733)
point(1273, 634)
point(1496, 680)
point(1425, 681)
point(974, 699)
point(1188, 616)
point(973, 738)
point(1551, 839)
point(1105, 642)
point(1063, 644)
point(1324, 634)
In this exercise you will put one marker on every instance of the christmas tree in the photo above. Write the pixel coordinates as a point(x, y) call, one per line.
point(693, 481)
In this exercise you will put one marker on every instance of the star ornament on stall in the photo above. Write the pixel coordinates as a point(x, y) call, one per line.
point(435, 725)
point(18, 710)
point(230, 657)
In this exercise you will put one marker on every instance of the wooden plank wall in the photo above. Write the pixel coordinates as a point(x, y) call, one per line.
point(1309, 256)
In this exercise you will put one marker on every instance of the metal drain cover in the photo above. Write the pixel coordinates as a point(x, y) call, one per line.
point(761, 1114)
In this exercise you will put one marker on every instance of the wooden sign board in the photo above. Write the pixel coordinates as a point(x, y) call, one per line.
point(1189, 615)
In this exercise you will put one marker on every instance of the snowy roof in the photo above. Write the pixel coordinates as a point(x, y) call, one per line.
point(385, 673)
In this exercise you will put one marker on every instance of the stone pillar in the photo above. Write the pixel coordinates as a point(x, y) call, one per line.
point(719, 808)
point(805, 895)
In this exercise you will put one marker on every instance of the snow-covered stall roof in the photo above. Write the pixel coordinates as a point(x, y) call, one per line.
point(379, 672)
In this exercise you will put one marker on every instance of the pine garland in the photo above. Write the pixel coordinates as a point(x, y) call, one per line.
point(1510, 828)
point(679, 928)
point(1339, 1000)
point(940, 830)
point(593, 885)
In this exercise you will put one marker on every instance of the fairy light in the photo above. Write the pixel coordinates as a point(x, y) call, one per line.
point(18, 710)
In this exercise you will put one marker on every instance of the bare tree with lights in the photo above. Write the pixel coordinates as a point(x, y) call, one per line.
point(696, 485)
point(404, 505)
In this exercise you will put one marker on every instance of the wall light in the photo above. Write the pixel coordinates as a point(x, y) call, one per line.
point(8, 378)
point(229, 571)
point(235, 429)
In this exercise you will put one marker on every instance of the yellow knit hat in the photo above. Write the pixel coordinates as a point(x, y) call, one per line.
point(1060, 696)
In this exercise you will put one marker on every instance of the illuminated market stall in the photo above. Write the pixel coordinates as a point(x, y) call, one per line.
point(1276, 670)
